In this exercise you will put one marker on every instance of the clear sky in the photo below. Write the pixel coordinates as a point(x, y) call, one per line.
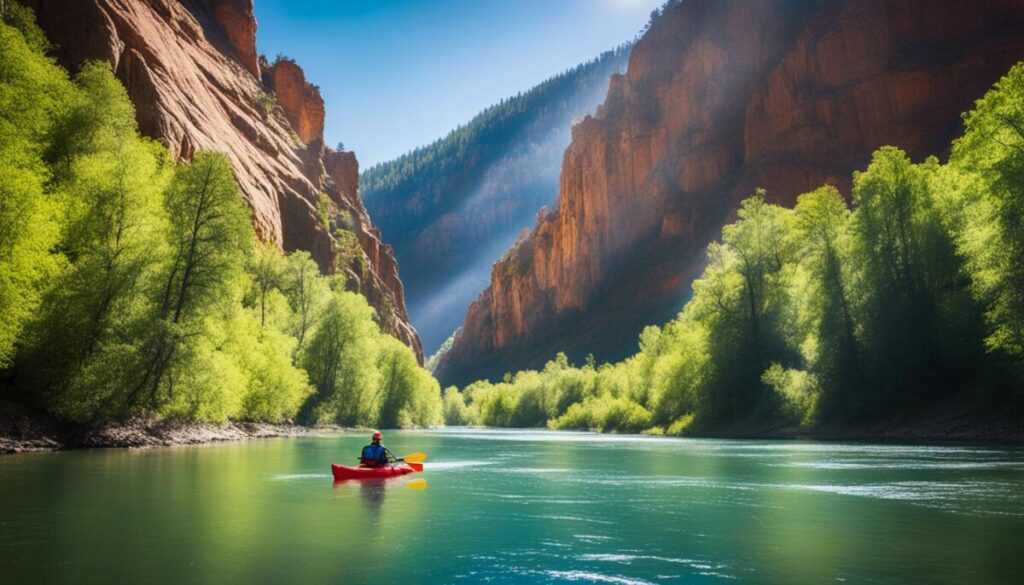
point(397, 74)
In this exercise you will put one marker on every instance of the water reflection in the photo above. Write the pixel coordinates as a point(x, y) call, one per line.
point(372, 491)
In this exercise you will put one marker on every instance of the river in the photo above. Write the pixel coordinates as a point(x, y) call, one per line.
point(517, 507)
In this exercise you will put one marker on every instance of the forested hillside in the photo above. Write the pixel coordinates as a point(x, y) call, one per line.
point(131, 284)
point(908, 303)
point(450, 209)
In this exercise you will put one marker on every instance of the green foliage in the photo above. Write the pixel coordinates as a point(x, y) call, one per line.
point(324, 206)
point(132, 285)
point(271, 387)
point(991, 157)
point(363, 376)
point(23, 21)
point(266, 101)
point(454, 409)
point(604, 413)
point(266, 268)
point(348, 254)
point(433, 361)
point(798, 391)
point(33, 90)
point(742, 301)
point(831, 345)
point(912, 299)
point(307, 293)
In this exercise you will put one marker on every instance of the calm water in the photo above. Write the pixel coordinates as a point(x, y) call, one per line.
point(517, 507)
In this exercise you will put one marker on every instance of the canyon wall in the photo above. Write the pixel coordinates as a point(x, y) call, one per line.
point(722, 97)
point(192, 72)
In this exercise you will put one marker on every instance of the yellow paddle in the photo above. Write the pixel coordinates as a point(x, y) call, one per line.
point(415, 458)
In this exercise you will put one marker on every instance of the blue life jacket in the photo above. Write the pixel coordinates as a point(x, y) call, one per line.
point(374, 455)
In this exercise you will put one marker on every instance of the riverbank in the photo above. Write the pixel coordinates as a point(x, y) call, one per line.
point(948, 423)
point(21, 432)
point(952, 430)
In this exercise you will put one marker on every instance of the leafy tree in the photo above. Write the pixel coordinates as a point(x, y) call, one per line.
point(991, 153)
point(209, 234)
point(454, 408)
point(265, 268)
point(341, 361)
point(915, 314)
point(307, 292)
point(821, 228)
point(33, 91)
point(740, 299)
point(110, 193)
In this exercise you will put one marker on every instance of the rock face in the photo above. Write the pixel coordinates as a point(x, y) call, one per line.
point(189, 67)
point(299, 99)
point(721, 97)
point(237, 19)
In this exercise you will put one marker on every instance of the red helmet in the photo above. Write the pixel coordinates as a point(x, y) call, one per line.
point(376, 436)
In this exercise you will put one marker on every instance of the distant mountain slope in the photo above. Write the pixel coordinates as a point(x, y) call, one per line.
point(451, 208)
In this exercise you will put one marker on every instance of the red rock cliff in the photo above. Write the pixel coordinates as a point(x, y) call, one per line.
point(237, 20)
point(299, 99)
point(721, 97)
point(189, 67)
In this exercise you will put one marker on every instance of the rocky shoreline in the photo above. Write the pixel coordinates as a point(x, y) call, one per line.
point(22, 432)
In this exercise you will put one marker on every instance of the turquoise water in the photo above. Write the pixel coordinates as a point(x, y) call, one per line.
point(517, 507)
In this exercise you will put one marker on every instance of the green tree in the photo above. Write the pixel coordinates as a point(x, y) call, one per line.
point(741, 300)
point(341, 361)
point(210, 235)
point(991, 153)
point(917, 325)
point(307, 292)
point(110, 193)
point(821, 228)
point(266, 266)
point(456, 413)
point(33, 91)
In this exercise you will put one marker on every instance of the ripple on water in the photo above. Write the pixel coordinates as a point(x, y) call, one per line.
point(446, 465)
point(954, 496)
point(534, 470)
point(592, 538)
point(907, 466)
point(571, 519)
point(592, 577)
point(295, 476)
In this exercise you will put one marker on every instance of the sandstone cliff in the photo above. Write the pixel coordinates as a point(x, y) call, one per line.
point(191, 69)
point(299, 99)
point(721, 97)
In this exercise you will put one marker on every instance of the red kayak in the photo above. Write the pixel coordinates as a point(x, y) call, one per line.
point(342, 472)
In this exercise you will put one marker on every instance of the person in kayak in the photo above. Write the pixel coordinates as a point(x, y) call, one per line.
point(375, 454)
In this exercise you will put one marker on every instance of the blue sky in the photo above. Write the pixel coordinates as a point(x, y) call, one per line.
point(396, 74)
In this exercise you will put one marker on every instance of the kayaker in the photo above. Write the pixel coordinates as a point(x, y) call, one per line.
point(375, 454)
